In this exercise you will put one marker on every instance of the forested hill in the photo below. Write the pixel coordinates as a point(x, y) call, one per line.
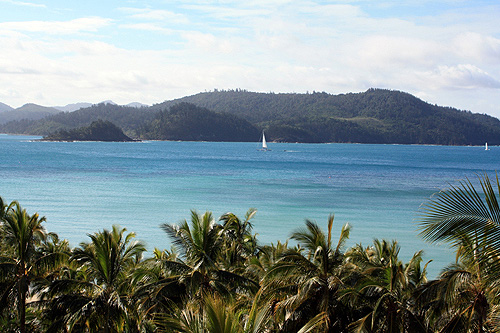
point(185, 121)
point(98, 130)
point(374, 116)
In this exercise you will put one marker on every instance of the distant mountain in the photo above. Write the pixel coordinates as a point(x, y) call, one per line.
point(374, 116)
point(28, 111)
point(108, 102)
point(97, 131)
point(5, 107)
point(137, 105)
point(78, 106)
point(72, 107)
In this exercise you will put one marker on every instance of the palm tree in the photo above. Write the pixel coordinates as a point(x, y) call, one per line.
point(21, 260)
point(385, 287)
point(467, 291)
point(218, 315)
point(266, 257)
point(239, 243)
point(460, 301)
point(462, 213)
point(198, 267)
point(306, 288)
point(97, 294)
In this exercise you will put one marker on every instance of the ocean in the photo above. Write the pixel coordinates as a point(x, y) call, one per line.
point(84, 187)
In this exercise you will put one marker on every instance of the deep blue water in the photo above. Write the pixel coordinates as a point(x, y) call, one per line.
point(83, 187)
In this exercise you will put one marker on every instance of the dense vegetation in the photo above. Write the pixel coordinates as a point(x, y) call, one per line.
point(218, 278)
point(188, 122)
point(374, 116)
point(99, 130)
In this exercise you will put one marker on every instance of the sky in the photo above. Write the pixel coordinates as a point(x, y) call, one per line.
point(57, 52)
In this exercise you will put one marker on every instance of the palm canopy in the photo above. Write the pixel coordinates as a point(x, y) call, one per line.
point(108, 255)
point(385, 286)
point(466, 218)
point(239, 243)
point(198, 267)
point(22, 232)
point(465, 296)
point(199, 243)
point(98, 293)
point(306, 287)
point(21, 260)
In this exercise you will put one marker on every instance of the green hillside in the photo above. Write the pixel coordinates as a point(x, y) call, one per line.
point(99, 130)
point(374, 116)
point(188, 122)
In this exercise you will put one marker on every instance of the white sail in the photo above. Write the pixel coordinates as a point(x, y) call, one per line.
point(486, 146)
point(264, 143)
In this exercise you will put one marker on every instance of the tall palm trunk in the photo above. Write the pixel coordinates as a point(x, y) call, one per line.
point(22, 283)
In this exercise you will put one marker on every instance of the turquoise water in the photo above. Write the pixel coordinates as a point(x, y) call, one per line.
point(83, 187)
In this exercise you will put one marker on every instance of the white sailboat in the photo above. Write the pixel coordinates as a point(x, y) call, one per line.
point(264, 143)
point(486, 146)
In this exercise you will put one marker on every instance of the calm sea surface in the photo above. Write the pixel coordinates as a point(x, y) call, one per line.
point(83, 187)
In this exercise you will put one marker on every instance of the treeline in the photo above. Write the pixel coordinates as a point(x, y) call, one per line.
point(218, 278)
point(374, 116)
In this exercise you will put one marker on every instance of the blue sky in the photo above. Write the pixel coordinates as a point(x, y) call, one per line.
point(446, 52)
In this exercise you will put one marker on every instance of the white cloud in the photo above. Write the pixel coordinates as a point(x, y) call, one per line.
point(230, 12)
point(463, 76)
point(207, 42)
point(86, 24)
point(155, 15)
point(23, 3)
point(478, 47)
point(147, 27)
point(390, 51)
point(332, 11)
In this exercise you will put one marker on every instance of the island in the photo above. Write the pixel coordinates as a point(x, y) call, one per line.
point(99, 130)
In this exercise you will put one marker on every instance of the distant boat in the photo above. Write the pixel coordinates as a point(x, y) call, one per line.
point(264, 143)
point(486, 146)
